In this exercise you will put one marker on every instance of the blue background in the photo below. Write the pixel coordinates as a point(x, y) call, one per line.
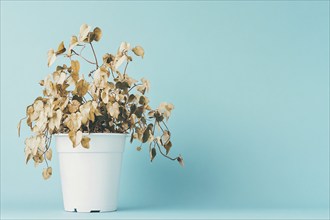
point(250, 83)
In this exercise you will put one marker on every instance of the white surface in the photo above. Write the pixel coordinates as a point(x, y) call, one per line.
point(90, 177)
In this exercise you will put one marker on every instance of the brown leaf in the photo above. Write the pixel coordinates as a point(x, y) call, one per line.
point(138, 148)
point(98, 33)
point(73, 106)
point(61, 49)
point(168, 146)
point(75, 137)
point(85, 142)
point(75, 66)
point(81, 88)
point(165, 137)
point(180, 160)
point(152, 154)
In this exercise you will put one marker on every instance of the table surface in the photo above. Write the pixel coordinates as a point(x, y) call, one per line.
point(163, 213)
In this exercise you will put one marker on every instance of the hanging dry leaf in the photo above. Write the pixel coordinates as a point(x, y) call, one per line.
point(180, 160)
point(168, 146)
point(152, 154)
point(49, 154)
point(47, 172)
point(75, 137)
point(165, 137)
point(85, 142)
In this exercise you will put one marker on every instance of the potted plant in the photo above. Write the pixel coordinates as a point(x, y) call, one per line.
point(90, 117)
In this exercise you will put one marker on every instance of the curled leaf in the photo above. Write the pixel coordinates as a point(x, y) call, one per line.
point(97, 33)
point(180, 160)
point(19, 126)
point(138, 50)
point(152, 154)
point(61, 49)
point(51, 56)
point(47, 172)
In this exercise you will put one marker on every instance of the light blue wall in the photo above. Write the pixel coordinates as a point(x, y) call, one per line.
point(250, 82)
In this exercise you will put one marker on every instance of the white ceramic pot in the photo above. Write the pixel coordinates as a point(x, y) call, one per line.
point(90, 177)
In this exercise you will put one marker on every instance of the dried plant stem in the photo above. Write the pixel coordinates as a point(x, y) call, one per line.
point(163, 153)
point(96, 63)
point(134, 86)
point(125, 68)
point(82, 57)
point(165, 125)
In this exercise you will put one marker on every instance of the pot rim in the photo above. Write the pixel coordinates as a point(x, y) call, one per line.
point(95, 134)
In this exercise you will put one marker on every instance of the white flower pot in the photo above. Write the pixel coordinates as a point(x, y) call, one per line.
point(90, 177)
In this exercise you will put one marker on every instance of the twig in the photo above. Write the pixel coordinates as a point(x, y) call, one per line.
point(125, 68)
point(82, 57)
point(97, 65)
point(134, 86)
point(165, 154)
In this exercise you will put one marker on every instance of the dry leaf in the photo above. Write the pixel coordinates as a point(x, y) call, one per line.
point(49, 154)
point(19, 126)
point(75, 138)
point(61, 49)
point(73, 106)
point(113, 109)
point(51, 56)
point(152, 154)
point(97, 33)
point(138, 50)
point(83, 33)
point(81, 88)
point(180, 160)
point(47, 172)
point(85, 142)
point(75, 65)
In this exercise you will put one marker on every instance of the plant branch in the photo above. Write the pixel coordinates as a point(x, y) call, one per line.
point(165, 125)
point(134, 86)
point(82, 57)
point(163, 153)
point(125, 68)
point(96, 63)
